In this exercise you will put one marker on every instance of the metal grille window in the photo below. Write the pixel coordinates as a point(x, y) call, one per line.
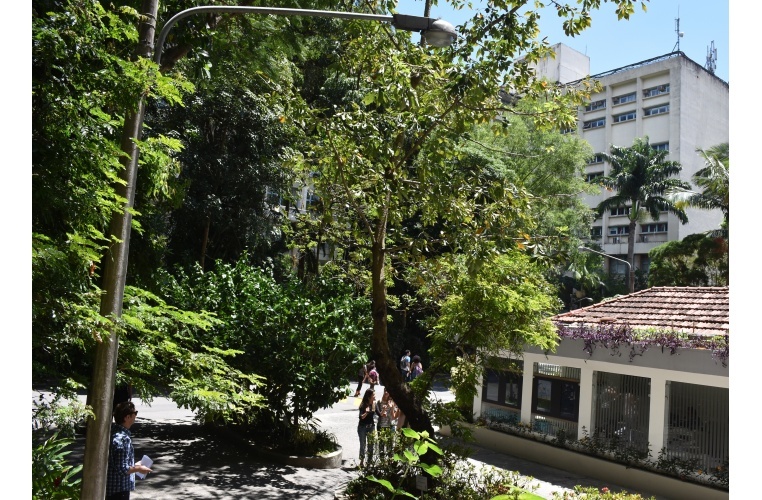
point(600, 122)
point(662, 146)
point(625, 117)
point(621, 407)
point(618, 230)
point(596, 105)
point(654, 228)
point(596, 232)
point(654, 91)
point(620, 211)
point(656, 110)
point(621, 99)
point(596, 158)
point(698, 427)
point(591, 177)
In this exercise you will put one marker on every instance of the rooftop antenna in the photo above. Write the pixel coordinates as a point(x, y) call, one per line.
point(711, 58)
point(677, 30)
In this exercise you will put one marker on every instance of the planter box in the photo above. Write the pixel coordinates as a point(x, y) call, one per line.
point(580, 463)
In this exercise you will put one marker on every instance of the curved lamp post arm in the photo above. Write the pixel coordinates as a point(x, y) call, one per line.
point(630, 273)
point(436, 32)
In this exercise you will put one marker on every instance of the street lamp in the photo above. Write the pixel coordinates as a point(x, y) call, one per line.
point(435, 32)
point(630, 272)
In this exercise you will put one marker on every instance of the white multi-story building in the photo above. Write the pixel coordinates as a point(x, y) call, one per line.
point(678, 104)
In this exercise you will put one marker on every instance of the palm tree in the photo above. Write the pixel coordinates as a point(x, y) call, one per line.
point(642, 178)
point(714, 182)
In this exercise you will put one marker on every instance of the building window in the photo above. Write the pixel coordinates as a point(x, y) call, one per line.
point(624, 117)
point(568, 130)
point(615, 212)
point(618, 230)
point(654, 91)
point(621, 405)
point(593, 176)
point(660, 227)
point(596, 105)
point(312, 202)
point(657, 110)
point(621, 99)
point(600, 122)
point(596, 158)
point(503, 387)
point(556, 394)
point(662, 146)
point(596, 232)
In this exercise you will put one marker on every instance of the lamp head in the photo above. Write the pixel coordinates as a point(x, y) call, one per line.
point(436, 32)
point(440, 34)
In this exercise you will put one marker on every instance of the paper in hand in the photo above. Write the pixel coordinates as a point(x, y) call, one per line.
point(147, 462)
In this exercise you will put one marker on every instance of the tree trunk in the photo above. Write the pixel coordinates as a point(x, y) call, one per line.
point(205, 241)
point(385, 362)
point(631, 253)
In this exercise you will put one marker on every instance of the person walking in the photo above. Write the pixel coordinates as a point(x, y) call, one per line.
point(387, 413)
point(405, 366)
point(120, 478)
point(372, 374)
point(366, 424)
point(416, 367)
point(362, 376)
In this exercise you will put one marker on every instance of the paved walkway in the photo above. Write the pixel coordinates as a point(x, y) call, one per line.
point(190, 463)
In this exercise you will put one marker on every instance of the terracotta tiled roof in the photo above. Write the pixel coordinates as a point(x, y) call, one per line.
point(696, 310)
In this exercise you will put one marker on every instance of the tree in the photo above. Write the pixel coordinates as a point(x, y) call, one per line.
point(390, 179)
point(714, 183)
point(303, 337)
point(642, 178)
point(696, 260)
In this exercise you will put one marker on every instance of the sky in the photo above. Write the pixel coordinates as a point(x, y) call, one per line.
point(611, 44)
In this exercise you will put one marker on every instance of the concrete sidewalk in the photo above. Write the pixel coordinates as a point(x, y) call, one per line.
point(191, 463)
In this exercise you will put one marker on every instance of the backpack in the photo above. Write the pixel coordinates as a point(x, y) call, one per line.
point(373, 375)
point(418, 369)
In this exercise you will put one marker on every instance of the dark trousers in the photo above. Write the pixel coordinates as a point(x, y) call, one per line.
point(122, 495)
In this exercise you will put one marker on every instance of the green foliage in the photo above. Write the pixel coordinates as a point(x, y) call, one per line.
point(83, 83)
point(696, 260)
point(54, 420)
point(392, 475)
point(52, 475)
point(714, 182)
point(302, 337)
point(62, 413)
point(592, 493)
point(502, 305)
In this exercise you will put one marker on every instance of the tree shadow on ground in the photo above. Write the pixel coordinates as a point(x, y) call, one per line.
point(190, 461)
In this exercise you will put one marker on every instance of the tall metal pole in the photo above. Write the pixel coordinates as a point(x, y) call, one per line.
point(630, 271)
point(436, 32)
point(101, 393)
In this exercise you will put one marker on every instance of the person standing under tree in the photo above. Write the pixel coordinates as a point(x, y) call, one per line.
point(416, 367)
point(387, 413)
point(405, 366)
point(120, 479)
point(366, 424)
point(372, 374)
point(362, 376)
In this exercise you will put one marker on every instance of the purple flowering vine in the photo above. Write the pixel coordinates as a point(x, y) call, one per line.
point(619, 338)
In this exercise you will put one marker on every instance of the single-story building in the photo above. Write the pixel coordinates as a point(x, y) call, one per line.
point(643, 375)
